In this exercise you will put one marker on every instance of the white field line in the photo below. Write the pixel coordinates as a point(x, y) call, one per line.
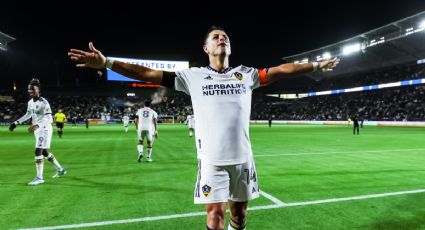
point(338, 152)
point(271, 198)
point(191, 214)
point(333, 200)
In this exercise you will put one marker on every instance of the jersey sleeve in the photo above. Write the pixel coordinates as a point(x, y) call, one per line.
point(259, 77)
point(182, 82)
point(47, 109)
point(255, 79)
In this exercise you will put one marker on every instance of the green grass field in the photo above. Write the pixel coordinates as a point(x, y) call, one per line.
point(309, 168)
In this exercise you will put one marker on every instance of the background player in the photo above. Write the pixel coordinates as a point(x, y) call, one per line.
point(146, 125)
point(355, 120)
point(86, 121)
point(125, 121)
point(39, 111)
point(190, 121)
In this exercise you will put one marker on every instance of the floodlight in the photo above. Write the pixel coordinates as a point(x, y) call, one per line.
point(4, 40)
point(349, 49)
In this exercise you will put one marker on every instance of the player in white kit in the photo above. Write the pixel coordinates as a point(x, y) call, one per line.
point(146, 122)
point(41, 114)
point(190, 121)
point(125, 121)
point(221, 99)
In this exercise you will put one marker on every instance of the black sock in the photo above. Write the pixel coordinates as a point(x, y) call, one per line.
point(208, 228)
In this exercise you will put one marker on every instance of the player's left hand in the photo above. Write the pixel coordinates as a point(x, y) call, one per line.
point(328, 65)
point(32, 128)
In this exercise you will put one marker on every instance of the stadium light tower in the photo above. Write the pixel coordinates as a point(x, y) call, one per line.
point(4, 40)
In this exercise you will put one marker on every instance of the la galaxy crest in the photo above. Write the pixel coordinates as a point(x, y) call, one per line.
point(238, 76)
point(206, 190)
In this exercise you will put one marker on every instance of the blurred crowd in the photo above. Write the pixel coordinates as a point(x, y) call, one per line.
point(405, 103)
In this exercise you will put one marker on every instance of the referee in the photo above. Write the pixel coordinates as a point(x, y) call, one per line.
point(60, 119)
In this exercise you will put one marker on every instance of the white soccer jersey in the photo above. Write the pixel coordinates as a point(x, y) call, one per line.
point(125, 119)
point(222, 107)
point(190, 121)
point(146, 116)
point(40, 113)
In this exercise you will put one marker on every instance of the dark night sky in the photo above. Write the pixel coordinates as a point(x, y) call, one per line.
point(259, 35)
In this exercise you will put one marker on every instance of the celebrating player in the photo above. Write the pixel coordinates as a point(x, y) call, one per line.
point(221, 98)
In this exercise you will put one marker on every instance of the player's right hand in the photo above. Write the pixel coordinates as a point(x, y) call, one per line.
point(93, 59)
point(12, 126)
point(156, 134)
point(32, 128)
point(328, 65)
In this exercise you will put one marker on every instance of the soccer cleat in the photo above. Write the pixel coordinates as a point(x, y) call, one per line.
point(148, 159)
point(36, 181)
point(59, 173)
point(140, 158)
point(12, 126)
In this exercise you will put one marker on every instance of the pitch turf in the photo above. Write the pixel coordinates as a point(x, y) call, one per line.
point(294, 163)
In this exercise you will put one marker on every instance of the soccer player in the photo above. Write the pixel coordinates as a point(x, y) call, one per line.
point(60, 120)
point(74, 120)
point(86, 121)
point(190, 121)
point(146, 125)
point(221, 99)
point(355, 120)
point(270, 120)
point(39, 111)
point(125, 121)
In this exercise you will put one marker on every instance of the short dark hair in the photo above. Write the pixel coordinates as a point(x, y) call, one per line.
point(212, 28)
point(148, 103)
point(35, 82)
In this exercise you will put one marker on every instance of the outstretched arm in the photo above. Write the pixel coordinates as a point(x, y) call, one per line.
point(96, 60)
point(292, 69)
point(24, 118)
point(27, 116)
